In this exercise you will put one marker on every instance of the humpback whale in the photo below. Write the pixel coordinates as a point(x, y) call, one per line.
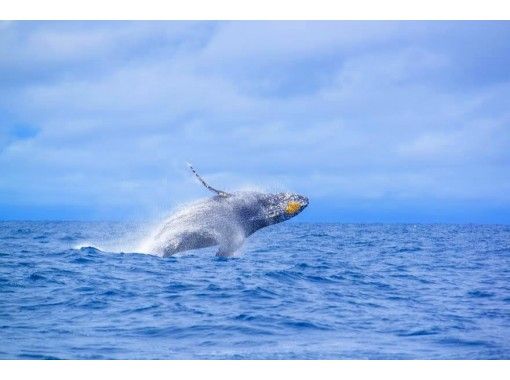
point(224, 220)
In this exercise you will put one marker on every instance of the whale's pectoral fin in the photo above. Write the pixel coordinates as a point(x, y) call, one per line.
point(208, 187)
point(230, 245)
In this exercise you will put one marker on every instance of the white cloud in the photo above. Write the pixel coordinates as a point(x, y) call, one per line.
point(143, 98)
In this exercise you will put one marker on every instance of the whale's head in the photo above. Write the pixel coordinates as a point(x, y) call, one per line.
point(283, 206)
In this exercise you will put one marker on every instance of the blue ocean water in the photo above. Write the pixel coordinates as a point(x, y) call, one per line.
point(297, 291)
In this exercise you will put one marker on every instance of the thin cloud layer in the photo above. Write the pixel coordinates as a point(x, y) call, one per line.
point(374, 121)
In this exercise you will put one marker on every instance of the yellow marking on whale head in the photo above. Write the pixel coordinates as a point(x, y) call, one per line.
point(292, 207)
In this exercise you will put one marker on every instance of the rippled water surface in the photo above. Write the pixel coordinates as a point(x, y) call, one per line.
point(297, 291)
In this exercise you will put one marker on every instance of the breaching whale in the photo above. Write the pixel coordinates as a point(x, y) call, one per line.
point(225, 219)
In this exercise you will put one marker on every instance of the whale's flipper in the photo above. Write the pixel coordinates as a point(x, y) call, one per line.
point(219, 192)
point(230, 246)
point(188, 240)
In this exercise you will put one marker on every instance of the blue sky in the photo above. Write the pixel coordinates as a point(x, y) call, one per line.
point(373, 121)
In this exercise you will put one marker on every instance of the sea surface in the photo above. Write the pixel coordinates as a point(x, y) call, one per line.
point(296, 291)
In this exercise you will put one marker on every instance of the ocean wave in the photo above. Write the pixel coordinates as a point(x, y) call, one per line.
point(296, 292)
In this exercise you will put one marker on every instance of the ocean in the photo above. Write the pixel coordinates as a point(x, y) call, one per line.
point(295, 291)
